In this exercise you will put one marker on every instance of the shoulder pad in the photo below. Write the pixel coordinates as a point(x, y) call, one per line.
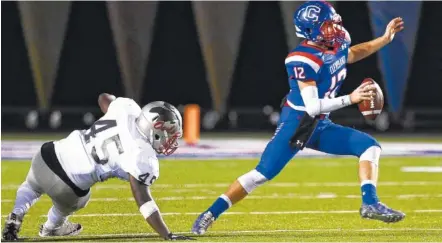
point(125, 104)
point(304, 58)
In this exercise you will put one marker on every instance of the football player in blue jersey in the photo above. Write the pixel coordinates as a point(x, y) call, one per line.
point(316, 70)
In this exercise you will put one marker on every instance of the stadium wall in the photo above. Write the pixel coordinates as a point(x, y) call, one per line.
point(63, 65)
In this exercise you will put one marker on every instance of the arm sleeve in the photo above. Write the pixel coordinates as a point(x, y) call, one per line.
point(315, 106)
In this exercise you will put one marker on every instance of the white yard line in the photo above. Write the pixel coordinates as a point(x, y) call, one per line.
point(102, 237)
point(252, 197)
point(239, 232)
point(271, 184)
point(240, 213)
point(428, 211)
point(322, 230)
point(274, 196)
point(422, 169)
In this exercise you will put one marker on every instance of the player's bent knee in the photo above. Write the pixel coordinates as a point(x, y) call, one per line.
point(83, 202)
point(81, 205)
point(251, 180)
point(268, 173)
point(371, 154)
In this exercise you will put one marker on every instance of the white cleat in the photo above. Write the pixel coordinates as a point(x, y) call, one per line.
point(67, 229)
point(202, 223)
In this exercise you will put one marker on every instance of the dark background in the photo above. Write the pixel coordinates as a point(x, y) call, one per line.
point(176, 73)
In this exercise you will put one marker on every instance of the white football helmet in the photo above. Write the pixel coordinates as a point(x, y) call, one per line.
point(160, 123)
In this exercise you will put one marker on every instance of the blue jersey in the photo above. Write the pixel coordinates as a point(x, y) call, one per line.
point(310, 63)
point(328, 70)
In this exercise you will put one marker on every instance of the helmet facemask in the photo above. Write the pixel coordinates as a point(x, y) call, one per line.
point(332, 32)
point(165, 137)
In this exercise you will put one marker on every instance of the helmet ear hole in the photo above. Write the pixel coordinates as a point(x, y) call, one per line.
point(157, 136)
point(308, 30)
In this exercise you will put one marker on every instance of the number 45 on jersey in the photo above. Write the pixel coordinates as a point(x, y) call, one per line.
point(107, 131)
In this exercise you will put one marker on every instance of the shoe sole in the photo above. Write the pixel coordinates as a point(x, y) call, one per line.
point(198, 233)
point(383, 217)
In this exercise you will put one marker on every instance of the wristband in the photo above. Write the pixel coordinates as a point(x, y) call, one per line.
point(346, 100)
point(148, 209)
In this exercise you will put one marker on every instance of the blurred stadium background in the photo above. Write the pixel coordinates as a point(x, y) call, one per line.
point(228, 58)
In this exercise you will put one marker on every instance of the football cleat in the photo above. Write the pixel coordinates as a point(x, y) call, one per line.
point(382, 212)
point(202, 223)
point(66, 229)
point(12, 227)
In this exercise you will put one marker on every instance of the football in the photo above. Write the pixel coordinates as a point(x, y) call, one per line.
point(370, 109)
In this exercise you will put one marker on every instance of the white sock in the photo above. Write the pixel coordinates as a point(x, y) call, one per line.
point(55, 218)
point(26, 197)
point(227, 199)
point(365, 182)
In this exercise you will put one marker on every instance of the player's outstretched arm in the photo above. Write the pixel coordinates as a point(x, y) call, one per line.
point(315, 106)
point(363, 50)
point(104, 101)
point(150, 210)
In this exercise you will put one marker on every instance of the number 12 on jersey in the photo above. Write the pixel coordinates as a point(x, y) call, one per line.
point(299, 72)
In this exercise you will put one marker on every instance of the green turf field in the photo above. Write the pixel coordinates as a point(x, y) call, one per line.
point(382, 137)
point(311, 200)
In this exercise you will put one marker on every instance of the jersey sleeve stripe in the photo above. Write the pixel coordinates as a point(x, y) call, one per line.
point(303, 59)
point(314, 58)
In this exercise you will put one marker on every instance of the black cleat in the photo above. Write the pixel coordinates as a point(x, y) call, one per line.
point(12, 227)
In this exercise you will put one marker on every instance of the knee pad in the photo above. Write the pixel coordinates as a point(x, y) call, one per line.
point(251, 180)
point(371, 154)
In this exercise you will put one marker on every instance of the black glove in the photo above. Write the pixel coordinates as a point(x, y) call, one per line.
point(173, 236)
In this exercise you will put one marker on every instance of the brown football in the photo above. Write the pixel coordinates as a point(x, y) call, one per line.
point(370, 109)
